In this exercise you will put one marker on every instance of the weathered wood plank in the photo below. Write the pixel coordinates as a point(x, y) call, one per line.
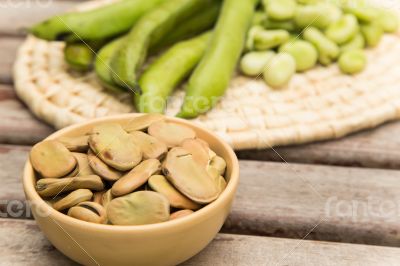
point(17, 124)
point(8, 49)
point(377, 148)
point(18, 15)
point(23, 243)
point(287, 200)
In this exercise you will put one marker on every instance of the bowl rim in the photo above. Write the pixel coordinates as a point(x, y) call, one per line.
point(197, 216)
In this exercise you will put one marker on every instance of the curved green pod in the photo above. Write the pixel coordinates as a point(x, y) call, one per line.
point(211, 77)
point(103, 61)
point(152, 27)
point(160, 78)
point(104, 22)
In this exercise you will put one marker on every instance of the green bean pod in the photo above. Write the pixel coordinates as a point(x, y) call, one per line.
point(103, 62)
point(212, 75)
point(80, 56)
point(101, 23)
point(161, 77)
point(195, 25)
point(328, 50)
point(152, 27)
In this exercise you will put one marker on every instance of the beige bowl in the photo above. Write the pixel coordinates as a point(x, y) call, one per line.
point(167, 243)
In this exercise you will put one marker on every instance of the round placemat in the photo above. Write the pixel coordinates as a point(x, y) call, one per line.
point(317, 105)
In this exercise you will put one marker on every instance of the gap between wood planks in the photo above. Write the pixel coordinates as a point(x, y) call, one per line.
point(22, 243)
point(344, 204)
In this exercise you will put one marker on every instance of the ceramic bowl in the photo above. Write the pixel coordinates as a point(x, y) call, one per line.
point(167, 243)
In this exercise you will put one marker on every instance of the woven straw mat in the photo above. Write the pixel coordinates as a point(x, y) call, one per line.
point(317, 105)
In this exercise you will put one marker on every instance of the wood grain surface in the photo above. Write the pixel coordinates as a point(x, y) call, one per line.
point(287, 200)
point(23, 244)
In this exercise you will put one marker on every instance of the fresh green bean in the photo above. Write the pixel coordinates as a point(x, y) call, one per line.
point(362, 11)
point(253, 63)
point(211, 77)
point(260, 39)
point(280, 70)
point(352, 62)
point(161, 77)
point(328, 50)
point(152, 27)
point(103, 61)
point(357, 42)
point(372, 33)
point(343, 30)
point(389, 21)
point(280, 9)
point(319, 15)
point(200, 22)
point(101, 23)
point(303, 52)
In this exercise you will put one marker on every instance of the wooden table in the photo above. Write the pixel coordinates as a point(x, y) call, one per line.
point(335, 202)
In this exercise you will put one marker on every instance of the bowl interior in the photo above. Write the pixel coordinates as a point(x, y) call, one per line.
point(216, 144)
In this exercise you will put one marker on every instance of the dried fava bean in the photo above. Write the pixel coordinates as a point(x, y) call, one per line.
point(219, 164)
point(102, 169)
point(372, 33)
point(89, 211)
point(98, 196)
point(343, 30)
point(198, 149)
point(106, 198)
point(151, 147)
point(161, 185)
point(48, 187)
point(74, 172)
point(280, 70)
point(137, 177)
point(83, 164)
point(138, 208)
point(172, 134)
point(51, 159)
point(115, 147)
point(190, 178)
point(180, 214)
point(218, 180)
point(352, 62)
point(303, 52)
point(75, 144)
point(72, 199)
point(142, 122)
